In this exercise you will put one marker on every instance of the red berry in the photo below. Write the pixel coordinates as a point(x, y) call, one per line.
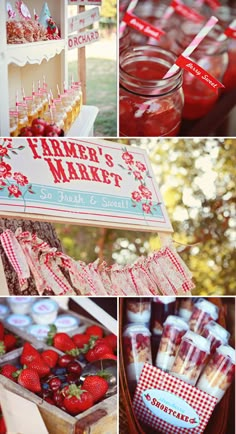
point(74, 368)
point(54, 384)
point(77, 400)
point(95, 330)
point(64, 360)
point(50, 357)
point(29, 354)
point(111, 340)
point(81, 339)
point(29, 379)
point(10, 342)
point(7, 370)
point(96, 385)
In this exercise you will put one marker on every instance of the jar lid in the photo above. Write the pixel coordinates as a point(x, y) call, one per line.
point(165, 299)
point(218, 330)
point(198, 341)
point(19, 320)
point(208, 307)
point(130, 329)
point(39, 331)
point(20, 300)
point(177, 322)
point(66, 321)
point(227, 351)
point(4, 310)
point(43, 307)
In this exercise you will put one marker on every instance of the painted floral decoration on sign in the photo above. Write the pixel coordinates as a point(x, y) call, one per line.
point(142, 195)
point(16, 183)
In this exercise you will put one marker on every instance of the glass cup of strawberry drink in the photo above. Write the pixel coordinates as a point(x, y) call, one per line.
point(219, 372)
point(191, 357)
point(150, 106)
point(162, 307)
point(137, 351)
point(185, 308)
point(211, 56)
point(216, 334)
point(138, 310)
point(226, 15)
point(173, 331)
point(203, 312)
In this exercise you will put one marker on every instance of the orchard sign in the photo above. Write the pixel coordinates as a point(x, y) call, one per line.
point(84, 181)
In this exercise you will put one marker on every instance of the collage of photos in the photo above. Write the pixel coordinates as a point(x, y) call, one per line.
point(117, 216)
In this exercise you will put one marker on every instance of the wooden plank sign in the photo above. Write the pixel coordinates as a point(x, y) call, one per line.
point(83, 20)
point(85, 2)
point(85, 181)
point(82, 39)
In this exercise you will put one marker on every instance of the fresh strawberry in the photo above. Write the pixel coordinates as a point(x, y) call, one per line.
point(94, 330)
point(29, 354)
point(7, 370)
point(9, 341)
point(107, 356)
point(50, 357)
point(40, 366)
point(1, 331)
point(29, 379)
point(111, 340)
point(96, 385)
point(99, 349)
point(80, 339)
point(3, 428)
point(77, 400)
point(63, 342)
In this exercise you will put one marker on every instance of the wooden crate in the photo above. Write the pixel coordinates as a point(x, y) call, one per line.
point(100, 419)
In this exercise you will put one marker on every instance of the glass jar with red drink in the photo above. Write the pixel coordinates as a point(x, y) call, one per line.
point(212, 56)
point(162, 307)
point(219, 372)
point(150, 106)
point(191, 357)
point(226, 15)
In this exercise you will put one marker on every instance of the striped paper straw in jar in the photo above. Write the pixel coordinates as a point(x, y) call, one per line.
point(129, 9)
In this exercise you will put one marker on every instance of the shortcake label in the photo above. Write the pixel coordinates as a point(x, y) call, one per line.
point(170, 408)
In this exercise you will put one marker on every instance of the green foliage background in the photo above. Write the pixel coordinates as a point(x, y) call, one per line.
point(197, 180)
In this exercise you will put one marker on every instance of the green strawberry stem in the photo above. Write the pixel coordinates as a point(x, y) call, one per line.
point(75, 391)
point(104, 374)
point(75, 352)
point(51, 334)
point(2, 348)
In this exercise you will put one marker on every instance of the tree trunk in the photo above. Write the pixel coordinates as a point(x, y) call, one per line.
point(45, 231)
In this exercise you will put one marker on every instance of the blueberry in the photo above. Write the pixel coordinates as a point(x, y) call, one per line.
point(59, 371)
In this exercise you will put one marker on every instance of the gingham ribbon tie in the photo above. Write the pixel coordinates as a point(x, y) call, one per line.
point(15, 255)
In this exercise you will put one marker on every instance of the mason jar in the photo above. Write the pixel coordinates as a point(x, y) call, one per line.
point(150, 105)
point(212, 56)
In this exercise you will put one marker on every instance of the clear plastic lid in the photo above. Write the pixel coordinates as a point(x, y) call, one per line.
point(177, 322)
point(208, 307)
point(198, 341)
point(131, 329)
point(39, 331)
point(4, 309)
point(19, 320)
point(227, 351)
point(44, 307)
point(64, 321)
point(20, 300)
point(165, 299)
point(218, 331)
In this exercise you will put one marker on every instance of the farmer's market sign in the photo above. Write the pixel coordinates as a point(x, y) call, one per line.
point(85, 2)
point(87, 181)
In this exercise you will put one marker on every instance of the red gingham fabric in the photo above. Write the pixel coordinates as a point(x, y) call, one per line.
point(154, 378)
point(15, 254)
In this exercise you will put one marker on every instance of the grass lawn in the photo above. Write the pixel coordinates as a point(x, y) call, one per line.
point(101, 92)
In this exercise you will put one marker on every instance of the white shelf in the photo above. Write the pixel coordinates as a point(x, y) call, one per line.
point(83, 125)
point(34, 52)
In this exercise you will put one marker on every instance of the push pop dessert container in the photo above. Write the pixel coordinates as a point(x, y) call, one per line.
point(138, 310)
point(173, 331)
point(216, 334)
point(191, 357)
point(162, 307)
point(203, 312)
point(219, 372)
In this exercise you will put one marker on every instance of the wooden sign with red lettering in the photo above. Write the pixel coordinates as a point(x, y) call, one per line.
point(83, 20)
point(82, 39)
point(89, 181)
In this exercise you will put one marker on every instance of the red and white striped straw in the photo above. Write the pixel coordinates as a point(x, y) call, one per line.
point(129, 9)
point(223, 37)
point(199, 2)
point(194, 44)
